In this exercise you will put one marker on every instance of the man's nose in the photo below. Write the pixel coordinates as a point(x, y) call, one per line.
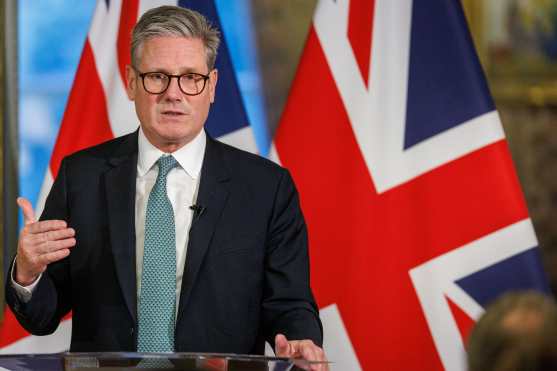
point(173, 91)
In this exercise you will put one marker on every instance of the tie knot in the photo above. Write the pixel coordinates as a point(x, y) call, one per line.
point(166, 163)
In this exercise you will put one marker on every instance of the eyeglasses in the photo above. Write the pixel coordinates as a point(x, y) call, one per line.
point(190, 83)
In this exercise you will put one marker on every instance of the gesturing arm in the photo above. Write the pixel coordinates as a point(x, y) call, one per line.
point(42, 244)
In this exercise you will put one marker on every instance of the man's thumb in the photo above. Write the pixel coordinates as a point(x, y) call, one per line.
point(27, 209)
point(282, 347)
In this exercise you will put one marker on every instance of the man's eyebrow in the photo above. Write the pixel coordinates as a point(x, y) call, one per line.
point(181, 71)
point(192, 70)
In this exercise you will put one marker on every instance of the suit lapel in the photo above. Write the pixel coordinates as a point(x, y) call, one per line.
point(120, 193)
point(212, 196)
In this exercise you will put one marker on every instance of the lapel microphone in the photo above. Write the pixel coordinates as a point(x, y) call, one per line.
point(197, 210)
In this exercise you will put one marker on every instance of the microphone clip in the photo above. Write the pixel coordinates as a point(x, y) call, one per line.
point(197, 211)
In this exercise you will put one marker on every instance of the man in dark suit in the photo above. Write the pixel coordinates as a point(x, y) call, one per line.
point(206, 254)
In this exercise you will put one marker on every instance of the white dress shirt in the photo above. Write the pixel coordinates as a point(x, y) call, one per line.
point(182, 184)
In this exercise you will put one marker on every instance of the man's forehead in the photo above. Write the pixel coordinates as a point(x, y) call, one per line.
point(175, 51)
point(173, 42)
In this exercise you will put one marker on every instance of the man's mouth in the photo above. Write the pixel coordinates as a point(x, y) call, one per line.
point(173, 113)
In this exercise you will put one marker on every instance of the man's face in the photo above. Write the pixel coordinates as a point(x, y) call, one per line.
point(171, 119)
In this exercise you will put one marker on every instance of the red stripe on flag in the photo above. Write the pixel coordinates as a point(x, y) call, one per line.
point(10, 331)
point(128, 18)
point(463, 321)
point(85, 121)
point(380, 237)
point(360, 26)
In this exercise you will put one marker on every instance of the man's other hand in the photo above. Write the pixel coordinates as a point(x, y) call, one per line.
point(40, 243)
point(304, 349)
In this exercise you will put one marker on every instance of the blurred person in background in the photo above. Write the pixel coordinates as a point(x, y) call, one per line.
point(518, 332)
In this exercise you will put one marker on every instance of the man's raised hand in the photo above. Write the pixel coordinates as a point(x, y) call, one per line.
point(40, 243)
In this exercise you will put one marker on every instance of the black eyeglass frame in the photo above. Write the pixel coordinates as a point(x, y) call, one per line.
point(178, 77)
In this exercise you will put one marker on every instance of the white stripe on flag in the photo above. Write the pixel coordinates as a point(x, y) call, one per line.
point(45, 189)
point(242, 138)
point(145, 5)
point(103, 36)
point(336, 342)
point(273, 154)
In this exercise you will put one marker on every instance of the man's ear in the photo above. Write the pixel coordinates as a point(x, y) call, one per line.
point(131, 82)
point(214, 76)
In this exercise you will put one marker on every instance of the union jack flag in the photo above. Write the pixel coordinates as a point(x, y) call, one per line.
point(98, 110)
point(415, 214)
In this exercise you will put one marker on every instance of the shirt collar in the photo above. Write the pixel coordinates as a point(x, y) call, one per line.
point(190, 156)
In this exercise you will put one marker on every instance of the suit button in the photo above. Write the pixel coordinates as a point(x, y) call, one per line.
point(131, 330)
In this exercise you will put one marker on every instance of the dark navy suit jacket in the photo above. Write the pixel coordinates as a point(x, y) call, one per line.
point(246, 275)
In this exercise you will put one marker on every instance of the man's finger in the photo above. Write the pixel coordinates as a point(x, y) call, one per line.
point(54, 256)
point(301, 351)
point(27, 209)
point(282, 347)
point(46, 226)
point(45, 237)
point(308, 353)
point(58, 234)
point(51, 246)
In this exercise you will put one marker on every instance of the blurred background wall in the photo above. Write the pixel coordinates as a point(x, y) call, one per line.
point(516, 41)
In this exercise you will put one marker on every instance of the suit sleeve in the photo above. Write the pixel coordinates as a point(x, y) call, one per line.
point(51, 298)
point(288, 305)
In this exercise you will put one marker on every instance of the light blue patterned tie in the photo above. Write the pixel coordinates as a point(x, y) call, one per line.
point(157, 300)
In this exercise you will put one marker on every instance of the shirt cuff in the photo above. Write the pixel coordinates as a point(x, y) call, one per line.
point(24, 293)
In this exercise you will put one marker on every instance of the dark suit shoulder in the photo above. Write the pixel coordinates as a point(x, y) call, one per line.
point(117, 147)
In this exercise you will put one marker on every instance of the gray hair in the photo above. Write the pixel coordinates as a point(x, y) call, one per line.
point(175, 21)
